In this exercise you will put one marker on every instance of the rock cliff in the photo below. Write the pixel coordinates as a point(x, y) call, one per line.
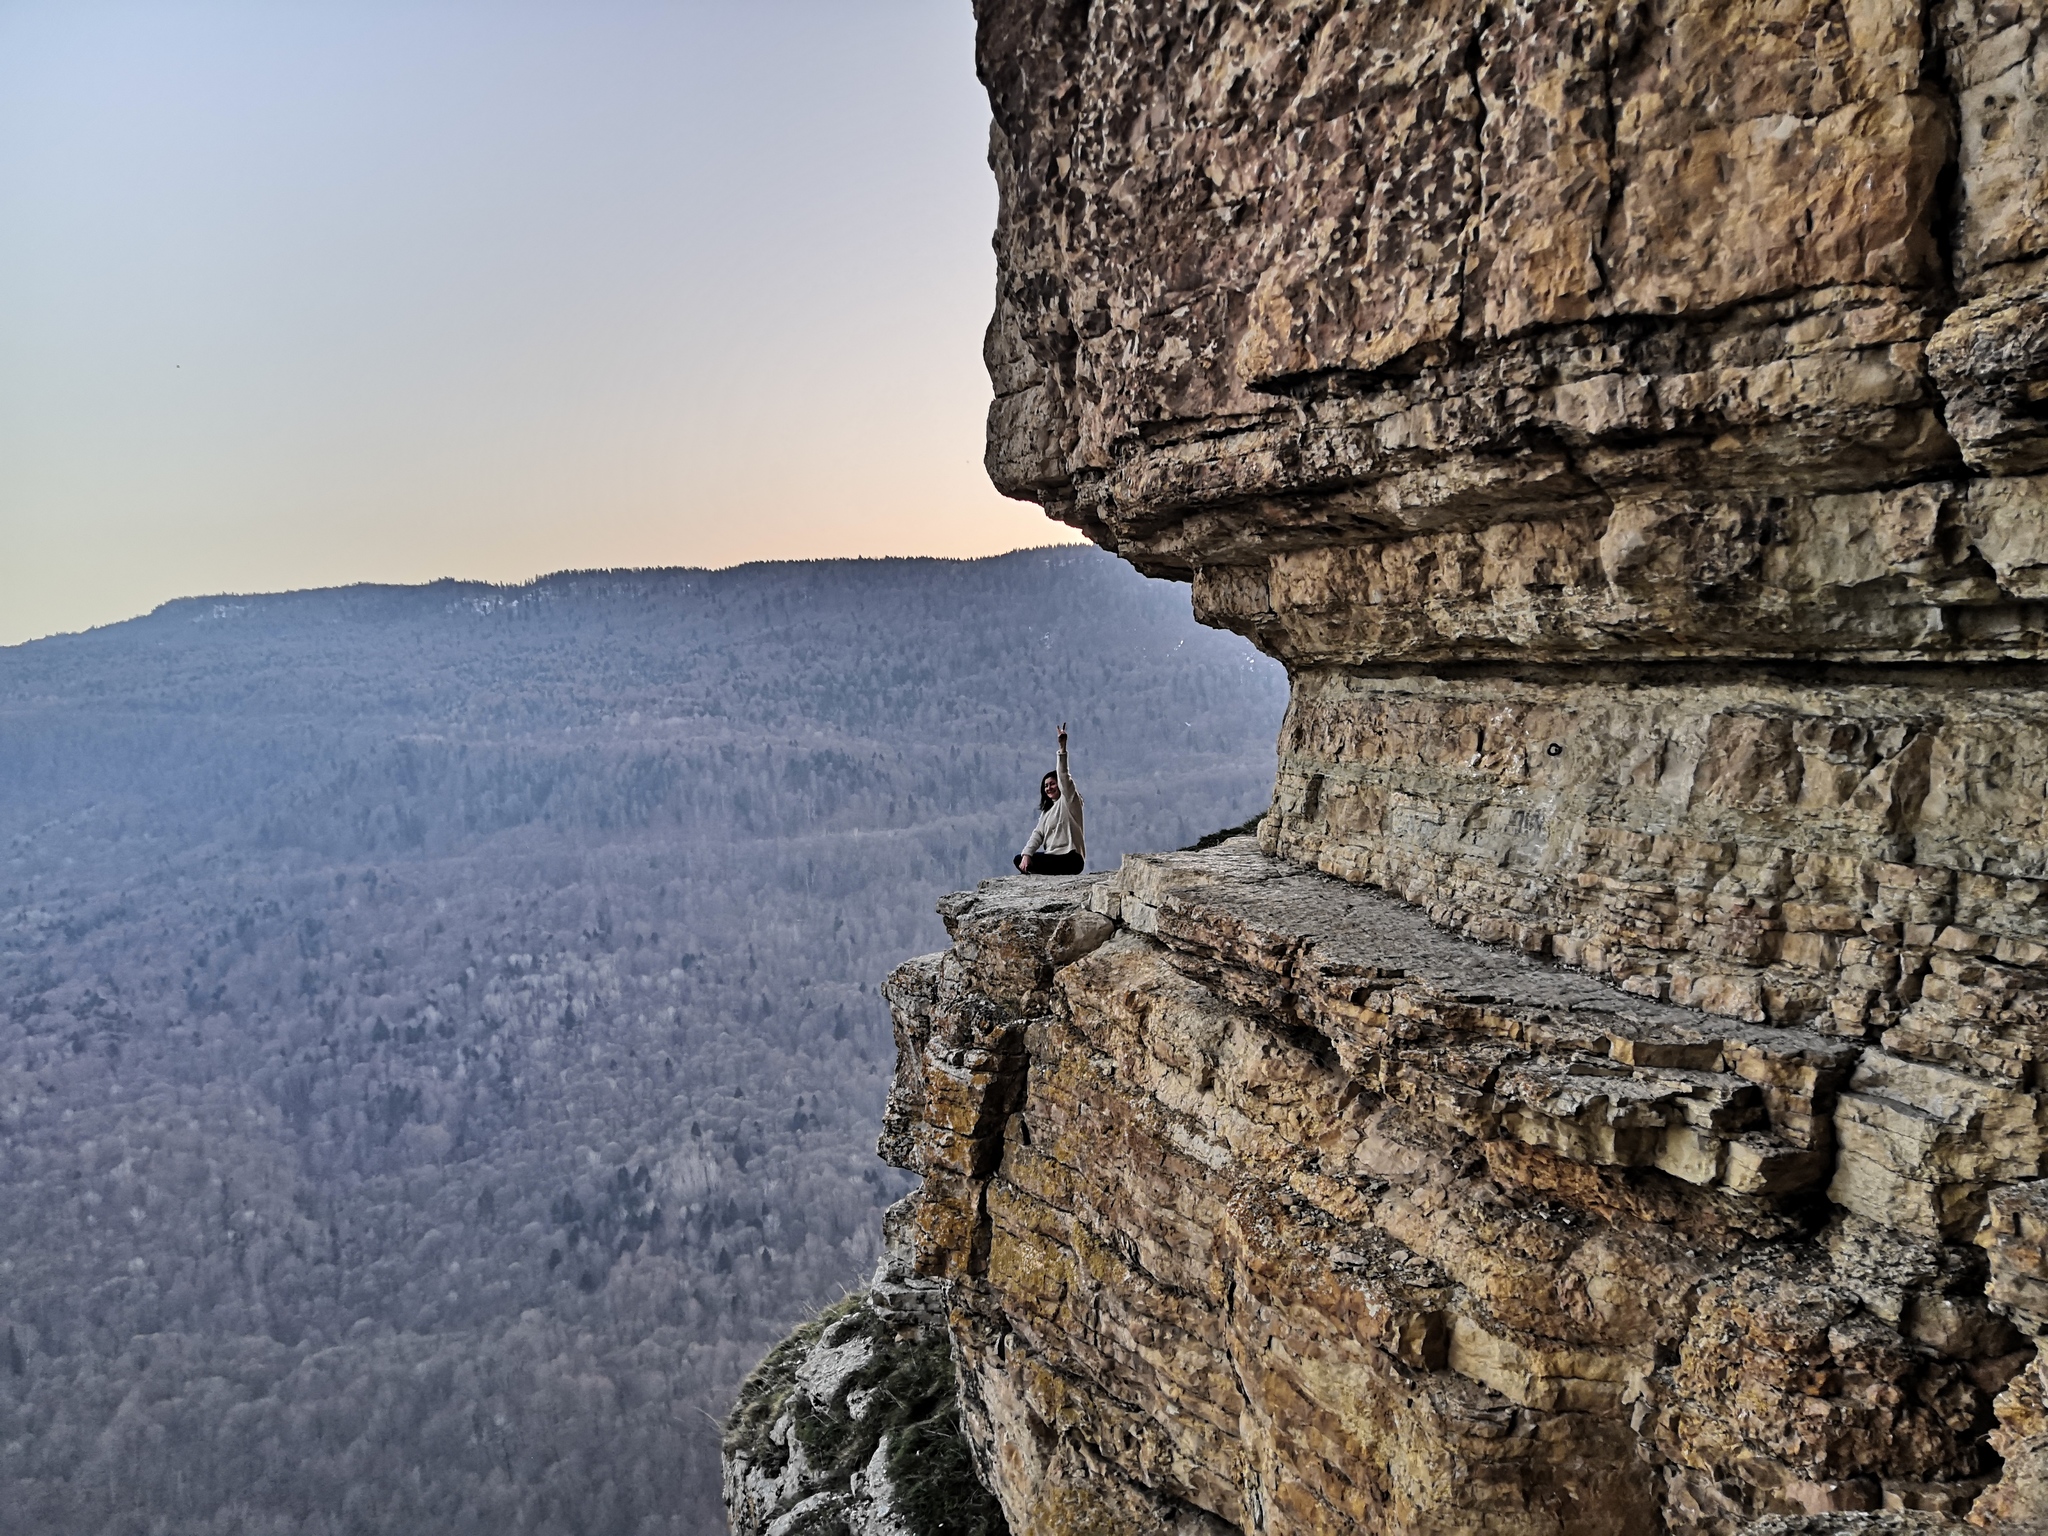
point(850, 1426)
point(1607, 1096)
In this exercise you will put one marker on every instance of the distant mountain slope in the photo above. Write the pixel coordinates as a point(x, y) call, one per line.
point(438, 1038)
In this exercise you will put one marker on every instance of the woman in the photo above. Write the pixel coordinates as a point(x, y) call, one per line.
point(1056, 846)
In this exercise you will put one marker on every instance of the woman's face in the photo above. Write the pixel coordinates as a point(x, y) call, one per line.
point(1049, 786)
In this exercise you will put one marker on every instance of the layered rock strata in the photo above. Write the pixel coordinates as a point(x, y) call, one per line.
point(1627, 422)
point(1265, 1205)
point(1713, 281)
point(1608, 1096)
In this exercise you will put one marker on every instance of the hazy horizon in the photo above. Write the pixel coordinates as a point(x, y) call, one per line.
point(391, 293)
point(521, 583)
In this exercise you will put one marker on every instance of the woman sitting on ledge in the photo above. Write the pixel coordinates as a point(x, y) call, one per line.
point(1056, 846)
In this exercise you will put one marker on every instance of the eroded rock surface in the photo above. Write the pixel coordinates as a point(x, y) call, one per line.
point(1607, 1096)
point(850, 1426)
point(1665, 384)
point(1280, 279)
point(1267, 1205)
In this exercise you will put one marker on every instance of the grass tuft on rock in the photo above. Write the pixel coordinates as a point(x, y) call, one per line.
point(765, 1392)
point(932, 1471)
point(908, 1395)
point(1209, 840)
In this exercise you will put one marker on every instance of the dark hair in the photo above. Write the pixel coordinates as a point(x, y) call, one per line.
point(1045, 800)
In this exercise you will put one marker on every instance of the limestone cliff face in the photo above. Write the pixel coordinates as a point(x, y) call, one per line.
point(1608, 1095)
point(1266, 1205)
point(1625, 421)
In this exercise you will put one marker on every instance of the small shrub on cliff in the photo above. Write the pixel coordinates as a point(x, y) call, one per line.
point(932, 1470)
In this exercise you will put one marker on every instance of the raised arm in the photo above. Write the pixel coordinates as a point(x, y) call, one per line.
point(1067, 790)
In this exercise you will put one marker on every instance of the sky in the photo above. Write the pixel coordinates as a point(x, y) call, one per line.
point(298, 294)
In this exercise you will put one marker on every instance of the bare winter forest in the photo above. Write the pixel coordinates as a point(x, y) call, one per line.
point(439, 1047)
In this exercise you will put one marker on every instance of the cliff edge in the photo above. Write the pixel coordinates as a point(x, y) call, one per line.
point(1607, 1096)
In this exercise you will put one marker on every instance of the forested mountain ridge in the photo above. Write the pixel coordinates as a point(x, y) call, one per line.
point(438, 1039)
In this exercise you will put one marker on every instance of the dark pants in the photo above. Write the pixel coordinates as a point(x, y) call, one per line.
point(1050, 863)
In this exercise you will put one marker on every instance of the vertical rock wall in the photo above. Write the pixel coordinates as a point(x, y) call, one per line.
point(1608, 1098)
point(1625, 421)
point(1266, 1205)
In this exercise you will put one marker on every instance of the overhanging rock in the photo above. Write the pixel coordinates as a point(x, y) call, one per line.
point(1607, 1096)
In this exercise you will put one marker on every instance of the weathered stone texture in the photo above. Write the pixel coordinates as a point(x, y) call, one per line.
point(1300, 1215)
point(850, 1426)
point(1867, 858)
point(1609, 1096)
point(1330, 274)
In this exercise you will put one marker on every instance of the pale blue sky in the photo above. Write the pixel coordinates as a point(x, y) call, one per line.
point(297, 294)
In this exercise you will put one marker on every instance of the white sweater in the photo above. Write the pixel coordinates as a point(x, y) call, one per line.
point(1059, 827)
